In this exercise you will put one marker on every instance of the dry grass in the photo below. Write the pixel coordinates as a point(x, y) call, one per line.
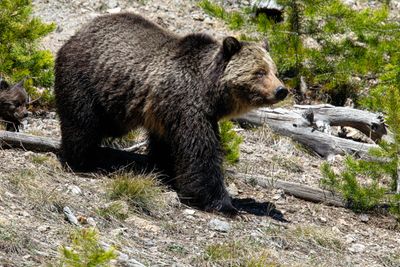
point(115, 210)
point(12, 241)
point(307, 238)
point(246, 253)
point(39, 159)
point(32, 185)
point(289, 164)
point(143, 193)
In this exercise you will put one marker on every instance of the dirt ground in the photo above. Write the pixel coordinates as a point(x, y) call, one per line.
point(34, 190)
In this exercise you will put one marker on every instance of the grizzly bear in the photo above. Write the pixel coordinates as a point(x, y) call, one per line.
point(122, 71)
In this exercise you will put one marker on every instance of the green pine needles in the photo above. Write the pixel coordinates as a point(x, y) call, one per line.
point(85, 250)
point(370, 184)
point(234, 19)
point(230, 141)
point(20, 55)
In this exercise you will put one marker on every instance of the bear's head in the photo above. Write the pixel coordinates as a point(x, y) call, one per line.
point(13, 101)
point(250, 75)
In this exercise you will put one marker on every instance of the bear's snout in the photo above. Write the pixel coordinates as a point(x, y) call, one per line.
point(281, 92)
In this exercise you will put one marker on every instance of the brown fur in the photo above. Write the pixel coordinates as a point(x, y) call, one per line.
point(122, 71)
point(13, 105)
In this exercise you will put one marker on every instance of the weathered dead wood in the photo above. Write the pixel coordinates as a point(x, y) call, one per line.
point(28, 142)
point(369, 123)
point(300, 125)
point(136, 147)
point(294, 189)
point(41, 144)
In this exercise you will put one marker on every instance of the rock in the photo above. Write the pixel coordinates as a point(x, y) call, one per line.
point(133, 263)
point(172, 199)
point(232, 189)
point(364, 218)
point(189, 211)
point(357, 248)
point(350, 239)
point(143, 224)
point(43, 228)
point(198, 17)
point(323, 219)
point(70, 216)
point(114, 10)
point(24, 213)
point(218, 225)
point(91, 222)
point(28, 154)
point(112, 4)
point(74, 190)
point(118, 231)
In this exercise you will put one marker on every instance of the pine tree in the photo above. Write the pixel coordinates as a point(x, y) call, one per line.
point(20, 55)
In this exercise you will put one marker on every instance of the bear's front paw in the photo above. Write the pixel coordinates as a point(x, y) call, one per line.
point(224, 206)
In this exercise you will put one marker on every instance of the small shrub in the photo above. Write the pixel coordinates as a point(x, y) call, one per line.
point(212, 9)
point(361, 197)
point(85, 250)
point(230, 141)
point(381, 181)
point(234, 19)
point(144, 193)
point(20, 55)
point(115, 209)
point(39, 159)
point(226, 251)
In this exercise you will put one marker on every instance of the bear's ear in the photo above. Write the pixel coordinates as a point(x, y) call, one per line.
point(265, 44)
point(230, 46)
point(3, 84)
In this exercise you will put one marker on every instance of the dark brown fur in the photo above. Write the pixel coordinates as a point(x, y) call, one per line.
point(122, 71)
point(13, 105)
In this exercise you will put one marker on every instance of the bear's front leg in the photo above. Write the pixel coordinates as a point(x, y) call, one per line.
point(198, 165)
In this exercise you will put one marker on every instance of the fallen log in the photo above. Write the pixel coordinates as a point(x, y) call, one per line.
point(302, 126)
point(41, 144)
point(28, 142)
point(369, 123)
point(295, 189)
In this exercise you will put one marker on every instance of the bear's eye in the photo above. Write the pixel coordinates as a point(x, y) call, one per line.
point(260, 73)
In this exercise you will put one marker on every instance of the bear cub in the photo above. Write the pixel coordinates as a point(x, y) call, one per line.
point(13, 101)
point(122, 71)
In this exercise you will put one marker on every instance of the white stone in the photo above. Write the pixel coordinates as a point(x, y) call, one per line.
point(218, 225)
point(357, 248)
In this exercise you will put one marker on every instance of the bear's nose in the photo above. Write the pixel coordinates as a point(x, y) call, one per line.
point(281, 92)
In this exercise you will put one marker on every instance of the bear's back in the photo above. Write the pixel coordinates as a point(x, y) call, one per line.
point(118, 37)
